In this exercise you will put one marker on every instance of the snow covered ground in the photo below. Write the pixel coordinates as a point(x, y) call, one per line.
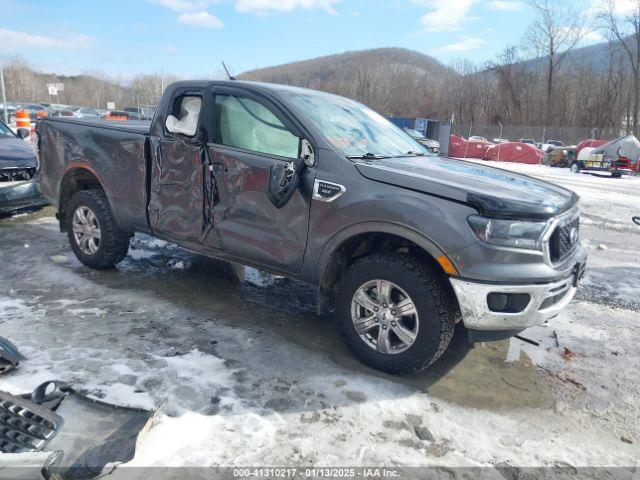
point(244, 373)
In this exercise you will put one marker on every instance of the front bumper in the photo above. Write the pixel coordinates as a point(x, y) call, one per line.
point(546, 301)
point(17, 196)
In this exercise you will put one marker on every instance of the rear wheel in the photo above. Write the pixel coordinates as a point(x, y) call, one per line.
point(395, 313)
point(92, 231)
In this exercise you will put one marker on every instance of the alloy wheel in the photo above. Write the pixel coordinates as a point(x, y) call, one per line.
point(385, 317)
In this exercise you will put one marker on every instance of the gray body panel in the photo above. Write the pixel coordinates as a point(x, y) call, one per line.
point(114, 153)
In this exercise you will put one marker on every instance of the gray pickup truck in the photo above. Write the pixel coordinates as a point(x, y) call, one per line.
point(402, 245)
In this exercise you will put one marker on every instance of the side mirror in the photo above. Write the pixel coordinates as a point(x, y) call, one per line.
point(283, 181)
point(23, 133)
point(636, 220)
point(285, 178)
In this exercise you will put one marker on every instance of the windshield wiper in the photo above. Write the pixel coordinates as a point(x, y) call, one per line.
point(367, 156)
point(376, 156)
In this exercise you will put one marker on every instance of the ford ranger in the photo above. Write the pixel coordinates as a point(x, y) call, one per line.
point(402, 244)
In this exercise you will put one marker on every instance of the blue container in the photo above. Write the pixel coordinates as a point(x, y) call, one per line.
point(427, 127)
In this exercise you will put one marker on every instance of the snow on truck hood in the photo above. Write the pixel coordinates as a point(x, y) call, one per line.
point(493, 191)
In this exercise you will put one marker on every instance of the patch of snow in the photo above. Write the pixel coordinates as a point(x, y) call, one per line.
point(82, 312)
point(138, 253)
point(12, 306)
point(45, 221)
point(176, 264)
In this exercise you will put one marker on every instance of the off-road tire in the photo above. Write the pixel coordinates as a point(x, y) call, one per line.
point(114, 243)
point(437, 310)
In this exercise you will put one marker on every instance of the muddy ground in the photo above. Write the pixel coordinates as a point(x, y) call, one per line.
point(244, 372)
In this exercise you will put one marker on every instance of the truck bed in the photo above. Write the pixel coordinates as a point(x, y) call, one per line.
point(132, 126)
point(113, 151)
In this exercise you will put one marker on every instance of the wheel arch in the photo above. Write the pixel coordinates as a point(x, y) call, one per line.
point(365, 239)
point(78, 176)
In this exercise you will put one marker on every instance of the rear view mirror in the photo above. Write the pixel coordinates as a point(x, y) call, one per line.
point(23, 133)
point(636, 220)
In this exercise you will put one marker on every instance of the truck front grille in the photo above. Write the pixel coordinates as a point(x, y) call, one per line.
point(24, 425)
point(564, 240)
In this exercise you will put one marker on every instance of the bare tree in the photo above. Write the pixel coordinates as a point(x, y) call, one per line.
point(625, 29)
point(554, 34)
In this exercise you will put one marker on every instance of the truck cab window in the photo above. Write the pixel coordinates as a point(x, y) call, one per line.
point(188, 113)
point(247, 124)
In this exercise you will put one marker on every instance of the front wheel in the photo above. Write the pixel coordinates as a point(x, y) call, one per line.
point(93, 233)
point(395, 313)
point(576, 167)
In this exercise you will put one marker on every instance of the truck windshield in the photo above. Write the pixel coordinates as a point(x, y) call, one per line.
point(353, 129)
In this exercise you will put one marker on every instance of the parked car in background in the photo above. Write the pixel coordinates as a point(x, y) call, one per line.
point(561, 157)
point(11, 110)
point(85, 112)
point(140, 113)
point(18, 189)
point(477, 138)
point(121, 115)
point(432, 146)
point(35, 110)
point(500, 140)
point(550, 145)
point(17, 157)
point(530, 141)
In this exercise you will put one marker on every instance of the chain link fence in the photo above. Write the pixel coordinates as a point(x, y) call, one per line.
point(568, 135)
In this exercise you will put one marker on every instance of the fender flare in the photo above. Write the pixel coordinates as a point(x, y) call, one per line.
point(70, 169)
point(345, 234)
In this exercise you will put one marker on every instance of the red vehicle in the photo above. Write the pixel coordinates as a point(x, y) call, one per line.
point(617, 168)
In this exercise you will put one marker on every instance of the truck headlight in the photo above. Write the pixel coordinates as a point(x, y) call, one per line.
point(508, 233)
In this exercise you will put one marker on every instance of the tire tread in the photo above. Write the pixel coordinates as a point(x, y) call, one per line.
point(114, 243)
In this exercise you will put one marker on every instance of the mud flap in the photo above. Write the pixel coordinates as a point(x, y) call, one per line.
point(86, 436)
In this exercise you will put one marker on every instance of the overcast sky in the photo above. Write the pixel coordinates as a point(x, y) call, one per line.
point(191, 37)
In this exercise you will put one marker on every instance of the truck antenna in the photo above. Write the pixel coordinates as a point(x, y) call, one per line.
point(227, 70)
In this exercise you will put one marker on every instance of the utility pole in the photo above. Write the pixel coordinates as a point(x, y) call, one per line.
point(4, 98)
point(500, 144)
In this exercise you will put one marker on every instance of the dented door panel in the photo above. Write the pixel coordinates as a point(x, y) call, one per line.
point(176, 206)
point(246, 223)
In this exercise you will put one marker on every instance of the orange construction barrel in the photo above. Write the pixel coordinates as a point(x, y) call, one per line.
point(22, 119)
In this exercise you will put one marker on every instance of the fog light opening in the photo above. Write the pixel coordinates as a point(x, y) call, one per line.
point(508, 302)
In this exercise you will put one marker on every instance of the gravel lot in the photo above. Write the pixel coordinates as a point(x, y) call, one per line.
point(245, 373)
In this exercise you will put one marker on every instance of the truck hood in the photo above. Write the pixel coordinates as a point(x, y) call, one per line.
point(492, 191)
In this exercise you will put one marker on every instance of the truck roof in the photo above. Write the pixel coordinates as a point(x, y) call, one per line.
point(273, 88)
